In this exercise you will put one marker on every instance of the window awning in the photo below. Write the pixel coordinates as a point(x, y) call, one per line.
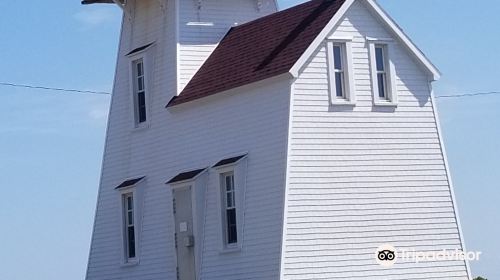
point(229, 161)
point(139, 49)
point(129, 183)
point(185, 176)
point(86, 2)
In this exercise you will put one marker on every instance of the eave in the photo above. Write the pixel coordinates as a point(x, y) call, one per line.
point(87, 2)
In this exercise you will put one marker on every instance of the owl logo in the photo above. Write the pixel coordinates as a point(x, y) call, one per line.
point(385, 255)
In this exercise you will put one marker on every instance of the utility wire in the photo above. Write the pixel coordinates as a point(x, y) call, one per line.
point(108, 93)
point(54, 89)
point(468, 94)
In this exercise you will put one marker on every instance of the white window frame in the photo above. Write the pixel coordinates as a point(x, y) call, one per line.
point(226, 206)
point(391, 98)
point(349, 95)
point(139, 80)
point(238, 169)
point(127, 225)
point(137, 191)
point(145, 56)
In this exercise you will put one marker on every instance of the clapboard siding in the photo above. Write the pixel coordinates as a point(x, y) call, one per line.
point(364, 176)
point(187, 138)
point(196, 42)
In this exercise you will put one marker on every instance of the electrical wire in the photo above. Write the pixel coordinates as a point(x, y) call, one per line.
point(54, 88)
point(108, 93)
point(467, 94)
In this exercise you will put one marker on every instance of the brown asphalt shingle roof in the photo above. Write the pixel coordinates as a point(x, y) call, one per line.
point(260, 49)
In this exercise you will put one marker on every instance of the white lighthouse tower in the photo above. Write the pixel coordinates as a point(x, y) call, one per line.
point(246, 143)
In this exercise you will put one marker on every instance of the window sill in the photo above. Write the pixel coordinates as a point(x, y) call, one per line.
point(385, 104)
point(229, 250)
point(140, 127)
point(130, 263)
point(340, 102)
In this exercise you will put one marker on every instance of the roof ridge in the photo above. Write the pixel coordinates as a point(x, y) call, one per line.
point(295, 32)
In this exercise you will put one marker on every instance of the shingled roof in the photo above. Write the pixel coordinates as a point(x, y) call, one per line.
point(260, 49)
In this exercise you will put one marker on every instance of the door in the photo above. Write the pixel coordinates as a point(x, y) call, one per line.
point(184, 239)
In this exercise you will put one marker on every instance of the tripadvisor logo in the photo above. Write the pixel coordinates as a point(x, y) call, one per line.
point(386, 255)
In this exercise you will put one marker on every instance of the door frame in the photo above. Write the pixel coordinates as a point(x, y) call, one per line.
point(187, 185)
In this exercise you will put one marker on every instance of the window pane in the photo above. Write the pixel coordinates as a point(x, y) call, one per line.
point(229, 199)
point(131, 242)
point(140, 84)
point(130, 203)
point(141, 104)
point(381, 85)
point(231, 226)
point(337, 57)
point(140, 69)
point(130, 216)
point(379, 55)
point(339, 84)
point(229, 182)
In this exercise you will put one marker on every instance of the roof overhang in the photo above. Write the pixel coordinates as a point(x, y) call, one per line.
point(87, 2)
point(120, 3)
point(387, 20)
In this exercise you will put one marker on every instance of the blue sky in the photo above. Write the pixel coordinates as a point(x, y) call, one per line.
point(51, 143)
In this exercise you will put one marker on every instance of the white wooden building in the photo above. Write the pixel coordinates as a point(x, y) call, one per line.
point(246, 143)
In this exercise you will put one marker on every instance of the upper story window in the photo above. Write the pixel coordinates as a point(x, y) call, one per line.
point(383, 74)
point(229, 204)
point(381, 71)
point(340, 71)
point(139, 80)
point(129, 226)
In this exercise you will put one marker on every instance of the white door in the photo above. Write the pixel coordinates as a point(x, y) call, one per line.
point(184, 239)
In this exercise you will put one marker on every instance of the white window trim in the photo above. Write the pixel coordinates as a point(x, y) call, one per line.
point(147, 60)
point(137, 192)
point(349, 89)
point(239, 169)
point(392, 94)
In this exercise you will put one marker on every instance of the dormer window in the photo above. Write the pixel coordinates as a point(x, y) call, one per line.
point(139, 80)
point(340, 72)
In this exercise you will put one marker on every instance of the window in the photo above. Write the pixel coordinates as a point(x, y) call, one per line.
point(130, 196)
point(340, 71)
point(129, 226)
point(229, 208)
point(139, 89)
point(383, 74)
point(381, 71)
point(232, 183)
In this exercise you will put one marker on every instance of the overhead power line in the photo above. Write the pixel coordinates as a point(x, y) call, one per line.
point(54, 88)
point(108, 93)
point(468, 94)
